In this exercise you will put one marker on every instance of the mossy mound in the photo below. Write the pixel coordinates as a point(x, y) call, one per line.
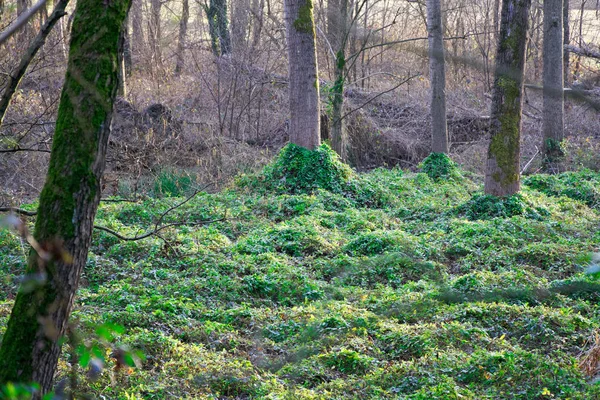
point(483, 207)
point(439, 166)
point(297, 170)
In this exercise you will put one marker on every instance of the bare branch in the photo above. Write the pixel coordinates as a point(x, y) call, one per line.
point(22, 20)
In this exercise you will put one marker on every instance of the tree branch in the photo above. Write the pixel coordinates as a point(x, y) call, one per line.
point(22, 20)
point(38, 42)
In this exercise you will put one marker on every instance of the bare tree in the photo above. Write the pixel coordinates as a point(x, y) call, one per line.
point(304, 83)
point(181, 44)
point(437, 77)
point(502, 173)
point(566, 40)
point(154, 30)
point(553, 121)
point(68, 203)
point(137, 43)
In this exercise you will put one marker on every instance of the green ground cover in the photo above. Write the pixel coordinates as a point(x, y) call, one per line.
point(337, 285)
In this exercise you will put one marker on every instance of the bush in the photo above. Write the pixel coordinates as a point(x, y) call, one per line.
point(483, 207)
point(299, 170)
point(439, 166)
point(170, 183)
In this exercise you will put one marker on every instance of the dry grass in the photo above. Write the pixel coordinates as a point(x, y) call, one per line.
point(589, 361)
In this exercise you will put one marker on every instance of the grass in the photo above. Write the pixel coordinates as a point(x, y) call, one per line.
point(384, 285)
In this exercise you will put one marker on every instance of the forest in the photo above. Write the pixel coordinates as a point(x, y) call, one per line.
point(299, 199)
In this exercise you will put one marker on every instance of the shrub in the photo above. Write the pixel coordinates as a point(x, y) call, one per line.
point(299, 170)
point(483, 207)
point(171, 183)
point(439, 166)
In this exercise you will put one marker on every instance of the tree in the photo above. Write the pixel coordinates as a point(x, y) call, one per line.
point(137, 31)
point(181, 44)
point(338, 32)
point(553, 121)
point(69, 200)
point(437, 77)
point(218, 26)
point(303, 79)
point(566, 40)
point(155, 31)
point(502, 172)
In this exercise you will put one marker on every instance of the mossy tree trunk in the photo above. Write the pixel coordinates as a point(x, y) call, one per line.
point(339, 140)
point(437, 78)
point(503, 161)
point(218, 27)
point(554, 107)
point(305, 118)
point(69, 199)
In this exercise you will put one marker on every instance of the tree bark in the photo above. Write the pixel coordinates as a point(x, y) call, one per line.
point(137, 45)
point(566, 41)
point(155, 32)
point(38, 42)
point(25, 33)
point(69, 200)
point(181, 44)
point(304, 82)
point(218, 26)
point(553, 113)
point(338, 35)
point(239, 24)
point(437, 77)
point(502, 171)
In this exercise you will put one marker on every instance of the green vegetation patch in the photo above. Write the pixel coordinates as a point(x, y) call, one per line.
point(439, 166)
point(341, 285)
point(583, 186)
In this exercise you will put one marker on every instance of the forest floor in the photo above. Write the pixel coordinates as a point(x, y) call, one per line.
point(320, 283)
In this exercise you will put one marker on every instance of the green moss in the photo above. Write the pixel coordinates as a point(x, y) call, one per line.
point(305, 22)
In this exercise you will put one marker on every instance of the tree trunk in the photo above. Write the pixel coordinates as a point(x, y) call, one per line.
point(137, 44)
point(437, 77)
point(181, 44)
point(502, 172)
point(553, 121)
point(218, 26)
point(333, 22)
point(304, 81)
point(338, 34)
point(155, 32)
point(16, 76)
point(239, 24)
point(566, 41)
point(25, 33)
point(258, 7)
point(69, 200)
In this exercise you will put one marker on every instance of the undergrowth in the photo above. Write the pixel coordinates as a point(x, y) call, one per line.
point(327, 284)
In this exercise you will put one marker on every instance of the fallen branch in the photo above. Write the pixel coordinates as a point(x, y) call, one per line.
point(156, 230)
point(582, 51)
point(158, 226)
